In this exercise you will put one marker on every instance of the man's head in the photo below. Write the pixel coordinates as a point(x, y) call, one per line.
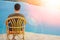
point(17, 7)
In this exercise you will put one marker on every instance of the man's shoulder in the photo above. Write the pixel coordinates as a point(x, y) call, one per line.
point(16, 14)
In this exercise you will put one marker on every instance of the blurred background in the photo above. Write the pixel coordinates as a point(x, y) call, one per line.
point(43, 16)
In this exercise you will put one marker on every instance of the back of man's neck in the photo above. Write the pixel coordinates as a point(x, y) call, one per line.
point(16, 11)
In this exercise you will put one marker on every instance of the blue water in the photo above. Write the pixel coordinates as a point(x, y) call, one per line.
point(7, 8)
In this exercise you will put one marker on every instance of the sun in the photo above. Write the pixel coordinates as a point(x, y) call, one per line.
point(51, 3)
